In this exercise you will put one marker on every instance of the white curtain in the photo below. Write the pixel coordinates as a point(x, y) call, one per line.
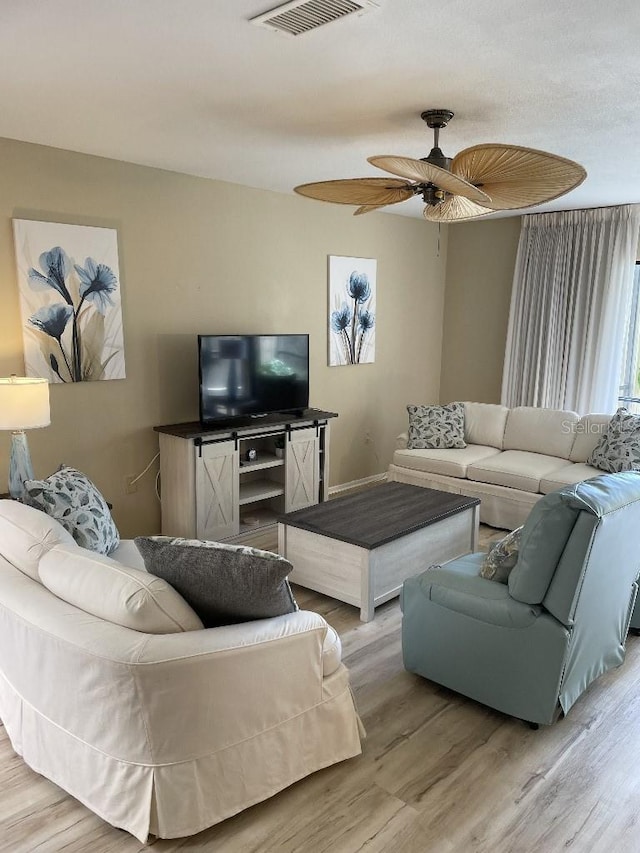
point(569, 309)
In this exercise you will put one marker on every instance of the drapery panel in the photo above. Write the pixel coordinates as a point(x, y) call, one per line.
point(569, 309)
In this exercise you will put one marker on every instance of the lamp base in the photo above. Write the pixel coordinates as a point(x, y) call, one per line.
point(20, 468)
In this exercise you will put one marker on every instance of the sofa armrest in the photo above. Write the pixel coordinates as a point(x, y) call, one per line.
point(456, 588)
point(202, 690)
point(402, 440)
point(234, 638)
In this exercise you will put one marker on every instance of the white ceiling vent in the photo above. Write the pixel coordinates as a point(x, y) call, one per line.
point(300, 16)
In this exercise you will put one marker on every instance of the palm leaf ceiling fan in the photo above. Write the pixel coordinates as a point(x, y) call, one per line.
point(477, 181)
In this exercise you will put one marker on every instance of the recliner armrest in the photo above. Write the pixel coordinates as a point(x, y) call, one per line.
point(457, 588)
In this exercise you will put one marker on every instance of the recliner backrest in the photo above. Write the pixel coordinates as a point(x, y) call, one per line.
point(603, 544)
point(594, 588)
point(558, 536)
point(544, 537)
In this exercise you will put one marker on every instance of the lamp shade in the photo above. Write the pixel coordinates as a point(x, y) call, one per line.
point(24, 403)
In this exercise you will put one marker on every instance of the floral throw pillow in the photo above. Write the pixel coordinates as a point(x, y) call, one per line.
point(502, 557)
point(72, 499)
point(619, 447)
point(436, 427)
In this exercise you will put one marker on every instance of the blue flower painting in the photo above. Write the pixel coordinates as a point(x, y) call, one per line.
point(70, 301)
point(352, 310)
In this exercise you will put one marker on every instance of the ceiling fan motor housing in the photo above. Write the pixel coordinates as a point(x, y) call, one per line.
point(432, 196)
point(437, 158)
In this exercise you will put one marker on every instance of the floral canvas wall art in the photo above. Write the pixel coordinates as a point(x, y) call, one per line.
point(69, 283)
point(352, 310)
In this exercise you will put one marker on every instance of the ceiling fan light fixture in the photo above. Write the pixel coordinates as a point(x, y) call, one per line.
point(476, 182)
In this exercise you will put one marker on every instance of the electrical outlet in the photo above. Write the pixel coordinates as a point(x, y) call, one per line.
point(129, 486)
point(367, 437)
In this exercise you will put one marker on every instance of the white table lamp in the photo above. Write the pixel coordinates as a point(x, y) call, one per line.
point(24, 404)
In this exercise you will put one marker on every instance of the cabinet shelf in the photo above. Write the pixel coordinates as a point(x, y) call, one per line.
point(263, 460)
point(257, 518)
point(259, 490)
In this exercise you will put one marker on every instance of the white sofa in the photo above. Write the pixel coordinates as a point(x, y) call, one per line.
point(158, 733)
point(512, 458)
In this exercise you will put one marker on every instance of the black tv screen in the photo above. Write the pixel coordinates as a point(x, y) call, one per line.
point(252, 375)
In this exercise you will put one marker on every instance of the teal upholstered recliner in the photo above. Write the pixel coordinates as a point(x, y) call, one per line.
point(532, 647)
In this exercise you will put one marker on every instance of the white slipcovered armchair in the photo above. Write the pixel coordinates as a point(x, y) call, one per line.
point(162, 734)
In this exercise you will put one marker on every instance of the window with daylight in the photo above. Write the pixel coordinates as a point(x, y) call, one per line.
point(629, 395)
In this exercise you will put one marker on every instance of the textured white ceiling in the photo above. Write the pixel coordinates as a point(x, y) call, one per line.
point(191, 86)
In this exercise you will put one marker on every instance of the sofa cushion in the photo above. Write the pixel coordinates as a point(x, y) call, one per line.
point(223, 583)
point(619, 447)
point(502, 557)
point(452, 463)
point(546, 431)
point(26, 534)
point(588, 432)
point(436, 426)
point(70, 497)
point(567, 475)
point(544, 536)
point(116, 593)
point(516, 469)
point(484, 423)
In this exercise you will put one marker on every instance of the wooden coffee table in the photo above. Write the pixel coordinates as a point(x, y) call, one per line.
point(360, 548)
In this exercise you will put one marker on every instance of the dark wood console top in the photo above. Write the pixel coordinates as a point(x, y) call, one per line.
point(194, 429)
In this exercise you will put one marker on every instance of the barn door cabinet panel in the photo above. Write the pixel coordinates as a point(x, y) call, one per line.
point(217, 515)
point(302, 469)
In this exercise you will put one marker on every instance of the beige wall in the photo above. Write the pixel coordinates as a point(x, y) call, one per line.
point(480, 264)
point(204, 256)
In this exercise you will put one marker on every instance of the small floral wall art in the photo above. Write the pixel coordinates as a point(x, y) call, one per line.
point(352, 310)
point(69, 284)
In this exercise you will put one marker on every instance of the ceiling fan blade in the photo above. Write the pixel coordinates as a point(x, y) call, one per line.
point(420, 170)
point(455, 209)
point(515, 177)
point(366, 192)
point(367, 208)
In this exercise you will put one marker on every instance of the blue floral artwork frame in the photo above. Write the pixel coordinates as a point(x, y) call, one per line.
point(70, 301)
point(352, 310)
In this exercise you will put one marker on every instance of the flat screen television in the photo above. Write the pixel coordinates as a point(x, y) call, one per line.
point(244, 376)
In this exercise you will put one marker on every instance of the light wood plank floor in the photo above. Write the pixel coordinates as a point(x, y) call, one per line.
point(439, 774)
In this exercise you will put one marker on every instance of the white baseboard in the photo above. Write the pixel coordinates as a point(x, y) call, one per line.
point(357, 484)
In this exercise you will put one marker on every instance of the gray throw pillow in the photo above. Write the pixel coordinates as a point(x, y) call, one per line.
point(619, 447)
point(71, 498)
point(502, 557)
point(436, 427)
point(223, 583)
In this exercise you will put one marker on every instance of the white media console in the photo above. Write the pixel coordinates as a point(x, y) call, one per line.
point(213, 487)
